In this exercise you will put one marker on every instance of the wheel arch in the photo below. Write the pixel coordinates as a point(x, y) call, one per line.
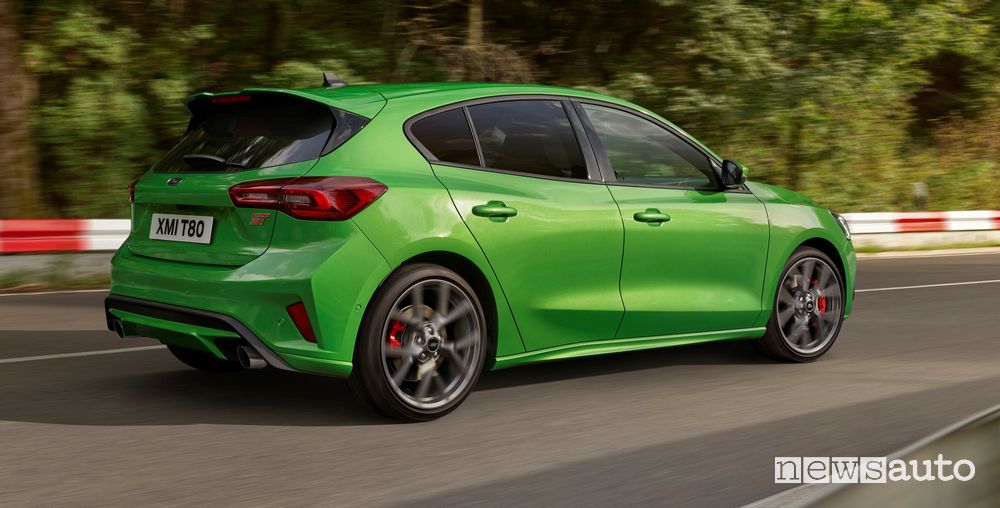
point(472, 274)
point(784, 243)
point(827, 247)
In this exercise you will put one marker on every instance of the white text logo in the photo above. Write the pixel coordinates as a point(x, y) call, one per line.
point(870, 470)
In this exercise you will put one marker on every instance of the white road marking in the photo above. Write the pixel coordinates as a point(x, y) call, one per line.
point(946, 284)
point(64, 292)
point(74, 355)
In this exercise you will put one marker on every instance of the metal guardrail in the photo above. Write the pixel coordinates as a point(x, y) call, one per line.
point(62, 235)
point(923, 222)
point(81, 235)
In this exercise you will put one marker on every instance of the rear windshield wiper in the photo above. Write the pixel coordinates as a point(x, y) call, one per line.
point(205, 160)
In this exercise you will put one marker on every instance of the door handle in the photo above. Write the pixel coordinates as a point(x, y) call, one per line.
point(496, 211)
point(651, 216)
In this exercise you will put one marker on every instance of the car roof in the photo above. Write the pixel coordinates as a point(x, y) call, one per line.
point(368, 99)
point(399, 90)
point(406, 90)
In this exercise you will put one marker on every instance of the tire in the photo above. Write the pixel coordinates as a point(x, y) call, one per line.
point(204, 361)
point(808, 309)
point(421, 346)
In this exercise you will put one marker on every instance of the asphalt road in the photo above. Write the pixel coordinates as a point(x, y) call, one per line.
point(696, 425)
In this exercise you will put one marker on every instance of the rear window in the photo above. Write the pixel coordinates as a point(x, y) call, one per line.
point(529, 136)
point(249, 132)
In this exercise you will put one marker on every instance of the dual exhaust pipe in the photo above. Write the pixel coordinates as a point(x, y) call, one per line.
point(248, 357)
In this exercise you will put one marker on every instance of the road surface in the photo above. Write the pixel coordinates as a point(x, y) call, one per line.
point(695, 425)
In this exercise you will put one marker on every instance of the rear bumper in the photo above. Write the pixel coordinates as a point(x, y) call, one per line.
point(214, 308)
point(121, 308)
point(211, 332)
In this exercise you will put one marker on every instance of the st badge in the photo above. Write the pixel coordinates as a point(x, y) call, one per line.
point(257, 219)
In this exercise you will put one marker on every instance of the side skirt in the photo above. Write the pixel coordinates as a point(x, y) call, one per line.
point(600, 347)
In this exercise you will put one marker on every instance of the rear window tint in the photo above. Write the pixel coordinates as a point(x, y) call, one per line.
point(447, 137)
point(260, 132)
point(529, 136)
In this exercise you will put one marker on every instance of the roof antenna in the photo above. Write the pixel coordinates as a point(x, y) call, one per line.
point(331, 80)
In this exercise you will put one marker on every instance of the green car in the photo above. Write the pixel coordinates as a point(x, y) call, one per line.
point(408, 236)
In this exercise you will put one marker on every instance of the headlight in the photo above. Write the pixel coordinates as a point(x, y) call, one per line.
point(843, 224)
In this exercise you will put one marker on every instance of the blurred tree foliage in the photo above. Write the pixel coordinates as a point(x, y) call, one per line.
point(849, 101)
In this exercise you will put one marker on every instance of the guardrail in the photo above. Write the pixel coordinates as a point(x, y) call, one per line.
point(79, 235)
point(923, 222)
point(62, 235)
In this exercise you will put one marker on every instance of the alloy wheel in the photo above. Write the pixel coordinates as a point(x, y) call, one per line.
point(430, 344)
point(809, 305)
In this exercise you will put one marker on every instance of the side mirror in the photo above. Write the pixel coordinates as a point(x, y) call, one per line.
point(732, 175)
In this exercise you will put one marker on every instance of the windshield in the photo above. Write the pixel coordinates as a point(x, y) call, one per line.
point(250, 131)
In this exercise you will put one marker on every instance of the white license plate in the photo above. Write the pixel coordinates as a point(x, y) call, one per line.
point(181, 228)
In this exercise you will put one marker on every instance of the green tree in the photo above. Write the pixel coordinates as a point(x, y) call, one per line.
point(94, 132)
point(848, 100)
point(20, 194)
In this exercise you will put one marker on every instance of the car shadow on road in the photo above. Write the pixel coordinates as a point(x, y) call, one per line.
point(152, 388)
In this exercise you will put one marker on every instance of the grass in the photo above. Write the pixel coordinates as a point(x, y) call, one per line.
point(55, 276)
point(20, 284)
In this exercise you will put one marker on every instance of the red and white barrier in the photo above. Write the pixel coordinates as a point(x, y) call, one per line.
point(62, 235)
point(923, 222)
point(73, 235)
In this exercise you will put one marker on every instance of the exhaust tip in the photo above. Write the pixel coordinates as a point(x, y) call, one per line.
point(249, 358)
point(119, 328)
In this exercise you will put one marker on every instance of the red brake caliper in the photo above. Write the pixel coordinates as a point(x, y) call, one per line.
point(395, 330)
point(820, 302)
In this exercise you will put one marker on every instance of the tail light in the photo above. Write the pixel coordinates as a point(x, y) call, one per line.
point(131, 191)
point(300, 317)
point(310, 198)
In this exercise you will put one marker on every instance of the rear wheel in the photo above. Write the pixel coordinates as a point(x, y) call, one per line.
point(204, 361)
point(421, 346)
point(808, 309)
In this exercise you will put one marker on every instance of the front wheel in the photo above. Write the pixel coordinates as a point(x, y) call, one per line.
point(421, 346)
point(808, 309)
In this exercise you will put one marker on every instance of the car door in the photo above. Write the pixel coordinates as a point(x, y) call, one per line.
point(694, 255)
point(552, 234)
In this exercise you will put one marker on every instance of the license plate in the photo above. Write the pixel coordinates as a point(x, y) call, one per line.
point(181, 228)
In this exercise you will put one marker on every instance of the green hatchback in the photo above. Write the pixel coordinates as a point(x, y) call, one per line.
point(408, 236)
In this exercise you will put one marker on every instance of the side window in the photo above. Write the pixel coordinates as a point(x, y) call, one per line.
point(643, 152)
point(529, 136)
point(447, 136)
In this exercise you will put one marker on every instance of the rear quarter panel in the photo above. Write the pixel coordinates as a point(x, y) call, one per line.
point(416, 215)
point(795, 219)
